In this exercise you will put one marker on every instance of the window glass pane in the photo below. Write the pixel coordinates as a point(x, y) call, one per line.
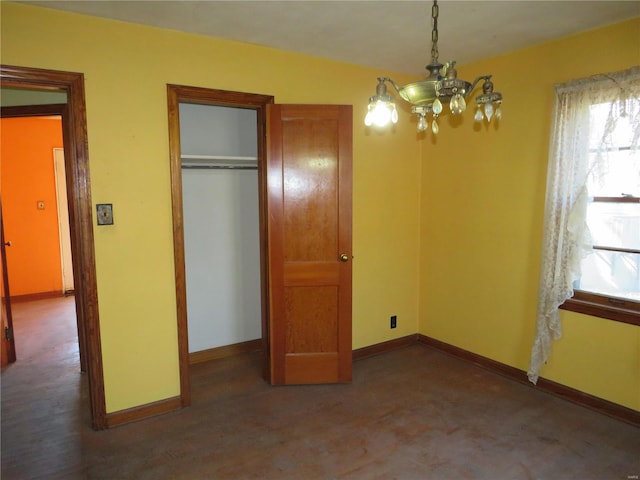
point(618, 173)
point(598, 116)
point(616, 169)
point(611, 273)
point(614, 224)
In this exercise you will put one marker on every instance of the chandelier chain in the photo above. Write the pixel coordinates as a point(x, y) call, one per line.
point(434, 33)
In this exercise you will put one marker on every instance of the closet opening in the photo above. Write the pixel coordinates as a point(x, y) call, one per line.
point(219, 162)
point(217, 148)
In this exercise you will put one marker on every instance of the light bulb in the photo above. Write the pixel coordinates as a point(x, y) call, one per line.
point(394, 115)
point(381, 114)
point(499, 112)
point(368, 119)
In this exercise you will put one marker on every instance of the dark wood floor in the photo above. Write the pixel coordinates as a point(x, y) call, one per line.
point(414, 413)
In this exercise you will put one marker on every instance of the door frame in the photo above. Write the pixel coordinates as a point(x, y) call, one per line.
point(177, 94)
point(66, 257)
point(7, 340)
point(75, 143)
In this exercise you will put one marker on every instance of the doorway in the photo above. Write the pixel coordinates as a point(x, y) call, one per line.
point(221, 229)
point(181, 95)
point(34, 200)
point(304, 193)
point(80, 212)
point(35, 212)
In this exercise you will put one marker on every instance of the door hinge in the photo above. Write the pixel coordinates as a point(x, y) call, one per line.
point(8, 333)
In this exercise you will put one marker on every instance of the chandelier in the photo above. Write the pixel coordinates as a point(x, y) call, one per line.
point(428, 96)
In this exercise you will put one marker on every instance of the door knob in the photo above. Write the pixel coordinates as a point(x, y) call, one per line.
point(344, 257)
point(8, 244)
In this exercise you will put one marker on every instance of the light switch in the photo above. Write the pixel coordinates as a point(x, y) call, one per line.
point(104, 213)
point(40, 204)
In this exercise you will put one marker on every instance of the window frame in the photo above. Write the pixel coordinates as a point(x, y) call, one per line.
point(606, 306)
point(603, 306)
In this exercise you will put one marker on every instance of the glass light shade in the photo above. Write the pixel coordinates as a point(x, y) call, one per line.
point(488, 110)
point(479, 116)
point(422, 123)
point(381, 113)
point(368, 119)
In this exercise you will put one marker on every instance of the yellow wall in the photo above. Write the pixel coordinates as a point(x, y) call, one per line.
point(474, 198)
point(126, 70)
point(482, 205)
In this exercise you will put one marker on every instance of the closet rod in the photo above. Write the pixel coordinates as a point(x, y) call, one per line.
point(220, 167)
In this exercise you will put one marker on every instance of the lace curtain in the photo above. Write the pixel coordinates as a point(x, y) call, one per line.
point(566, 238)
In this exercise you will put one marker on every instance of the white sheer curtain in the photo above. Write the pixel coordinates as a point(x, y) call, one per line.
point(566, 238)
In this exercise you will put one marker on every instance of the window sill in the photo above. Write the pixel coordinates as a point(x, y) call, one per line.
point(603, 311)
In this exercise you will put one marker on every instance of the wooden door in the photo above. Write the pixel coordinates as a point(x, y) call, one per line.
point(7, 342)
point(309, 177)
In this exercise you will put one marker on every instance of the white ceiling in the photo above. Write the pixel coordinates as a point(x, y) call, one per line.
point(390, 35)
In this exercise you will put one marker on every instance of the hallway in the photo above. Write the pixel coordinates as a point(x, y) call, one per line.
point(44, 401)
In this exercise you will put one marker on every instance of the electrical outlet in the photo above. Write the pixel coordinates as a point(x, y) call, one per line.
point(394, 321)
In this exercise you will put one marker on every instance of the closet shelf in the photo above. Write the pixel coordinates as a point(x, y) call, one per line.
point(219, 161)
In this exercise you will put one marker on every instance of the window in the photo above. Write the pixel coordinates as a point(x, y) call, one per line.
point(591, 233)
point(609, 283)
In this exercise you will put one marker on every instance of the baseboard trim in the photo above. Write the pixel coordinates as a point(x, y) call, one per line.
point(30, 297)
point(143, 412)
point(384, 347)
point(225, 351)
point(572, 395)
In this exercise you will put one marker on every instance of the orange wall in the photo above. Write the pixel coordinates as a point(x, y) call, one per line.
point(27, 171)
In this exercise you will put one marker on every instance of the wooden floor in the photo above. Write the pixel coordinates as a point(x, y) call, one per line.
point(414, 413)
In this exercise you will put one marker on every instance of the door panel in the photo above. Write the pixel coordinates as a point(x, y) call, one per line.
point(309, 178)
